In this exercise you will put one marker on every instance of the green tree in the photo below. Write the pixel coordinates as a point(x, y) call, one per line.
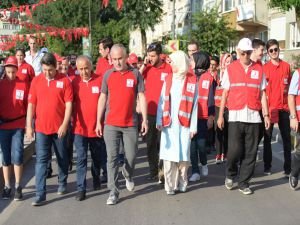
point(286, 5)
point(142, 14)
point(212, 31)
point(8, 3)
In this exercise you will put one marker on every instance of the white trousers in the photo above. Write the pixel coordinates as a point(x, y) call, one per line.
point(175, 175)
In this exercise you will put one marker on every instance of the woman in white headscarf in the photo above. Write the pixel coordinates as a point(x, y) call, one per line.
point(177, 119)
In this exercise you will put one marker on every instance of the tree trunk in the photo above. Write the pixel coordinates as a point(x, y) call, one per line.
point(144, 41)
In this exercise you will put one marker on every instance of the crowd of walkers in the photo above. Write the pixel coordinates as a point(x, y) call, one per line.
point(179, 103)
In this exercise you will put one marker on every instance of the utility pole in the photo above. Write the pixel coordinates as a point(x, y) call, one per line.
point(90, 28)
point(173, 21)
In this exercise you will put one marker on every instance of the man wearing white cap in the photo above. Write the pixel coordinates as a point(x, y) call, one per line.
point(244, 93)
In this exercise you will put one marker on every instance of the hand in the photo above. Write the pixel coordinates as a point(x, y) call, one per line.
point(210, 122)
point(159, 127)
point(220, 122)
point(98, 130)
point(29, 133)
point(62, 130)
point(146, 60)
point(192, 134)
point(144, 128)
point(267, 122)
point(294, 124)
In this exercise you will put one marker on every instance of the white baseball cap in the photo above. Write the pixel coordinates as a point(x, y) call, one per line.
point(245, 44)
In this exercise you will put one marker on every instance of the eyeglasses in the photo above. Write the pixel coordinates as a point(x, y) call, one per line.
point(273, 49)
point(243, 53)
point(153, 47)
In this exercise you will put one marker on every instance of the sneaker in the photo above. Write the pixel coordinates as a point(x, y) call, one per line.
point(112, 199)
point(6, 194)
point(204, 170)
point(170, 192)
point(129, 182)
point(218, 159)
point(182, 189)
point(61, 190)
point(80, 196)
point(18, 194)
point(223, 158)
point(267, 172)
point(293, 181)
point(194, 177)
point(228, 183)
point(39, 201)
point(96, 184)
point(246, 191)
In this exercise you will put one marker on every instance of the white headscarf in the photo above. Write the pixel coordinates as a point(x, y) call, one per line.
point(181, 61)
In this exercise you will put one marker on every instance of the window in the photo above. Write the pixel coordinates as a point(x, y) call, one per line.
point(263, 36)
point(6, 26)
point(294, 35)
point(228, 5)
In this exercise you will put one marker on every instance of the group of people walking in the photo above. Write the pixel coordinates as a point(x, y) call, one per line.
point(173, 100)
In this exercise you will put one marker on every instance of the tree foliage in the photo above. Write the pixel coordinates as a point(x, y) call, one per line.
point(142, 14)
point(8, 3)
point(212, 31)
point(286, 5)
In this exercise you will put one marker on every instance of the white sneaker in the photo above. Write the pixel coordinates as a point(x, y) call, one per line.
point(194, 177)
point(204, 170)
point(129, 182)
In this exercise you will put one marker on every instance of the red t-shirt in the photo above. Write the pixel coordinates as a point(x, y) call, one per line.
point(278, 78)
point(86, 95)
point(72, 72)
point(13, 103)
point(154, 80)
point(25, 72)
point(50, 97)
point(102, 66)
point(121, 89)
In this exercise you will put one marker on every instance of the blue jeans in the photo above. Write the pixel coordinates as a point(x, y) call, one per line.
point(12, 146)
point(198, 150)
point(43, 146)
point(82, 144)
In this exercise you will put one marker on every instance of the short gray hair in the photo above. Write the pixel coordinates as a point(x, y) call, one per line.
point(85, 58)
point(119, 46)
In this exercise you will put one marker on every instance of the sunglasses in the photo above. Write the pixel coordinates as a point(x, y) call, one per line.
point(273, 49)
point(243, 53)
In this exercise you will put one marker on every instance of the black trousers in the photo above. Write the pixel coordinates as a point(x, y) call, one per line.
point(296, 159)
point(221, 135)
point(285, 131)
point(242, 149)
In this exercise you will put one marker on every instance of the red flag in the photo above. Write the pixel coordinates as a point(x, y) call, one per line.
point(105, 3)
point(119, 4)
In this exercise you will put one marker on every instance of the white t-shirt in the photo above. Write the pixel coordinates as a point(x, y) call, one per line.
point(35, 61)
point(243, 115)
point(294, 85)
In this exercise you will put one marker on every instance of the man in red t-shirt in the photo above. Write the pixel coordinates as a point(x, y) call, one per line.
point(50, 102)
point(72, 69)
point(86, 88)
point(120, 88)
point(154, 72)
point(278, 76)
point(13, 98)
point(104, 62)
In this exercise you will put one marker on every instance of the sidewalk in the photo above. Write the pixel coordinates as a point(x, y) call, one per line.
point(206, 202)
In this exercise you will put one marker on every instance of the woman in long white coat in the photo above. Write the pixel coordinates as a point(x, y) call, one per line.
point(177, 119)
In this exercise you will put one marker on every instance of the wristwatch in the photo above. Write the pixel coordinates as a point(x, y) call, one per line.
point(293, 117)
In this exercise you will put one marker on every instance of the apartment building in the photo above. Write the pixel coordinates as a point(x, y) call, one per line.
point(7, 29)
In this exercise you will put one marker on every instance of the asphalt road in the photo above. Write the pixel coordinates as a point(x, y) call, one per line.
point(206, 202)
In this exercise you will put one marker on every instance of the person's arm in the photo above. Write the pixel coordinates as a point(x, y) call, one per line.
point(265, 110)
point(62, 130)
point(143, 108)
point(226, 85)
point(100, 111)
point(29, 121)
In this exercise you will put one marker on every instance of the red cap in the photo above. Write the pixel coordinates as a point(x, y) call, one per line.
point(11, 61)
point(163, 56)
point(58, 57)
point(132, 58)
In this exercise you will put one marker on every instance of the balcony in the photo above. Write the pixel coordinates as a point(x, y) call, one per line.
point(249, 16)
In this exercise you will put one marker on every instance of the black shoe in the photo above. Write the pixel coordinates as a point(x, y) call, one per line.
point(18, 194)
point(293, 181)
point(6, 194)
point(104, 179)
point(38, 201)
point(96, 184)
point(80, 196)
point(267, 172)
point(49, 174)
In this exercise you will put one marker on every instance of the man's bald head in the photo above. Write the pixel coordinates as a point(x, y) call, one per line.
point(84, 66)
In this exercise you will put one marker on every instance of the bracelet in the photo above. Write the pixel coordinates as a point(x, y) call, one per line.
point(266, 115)
point(293, 117)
